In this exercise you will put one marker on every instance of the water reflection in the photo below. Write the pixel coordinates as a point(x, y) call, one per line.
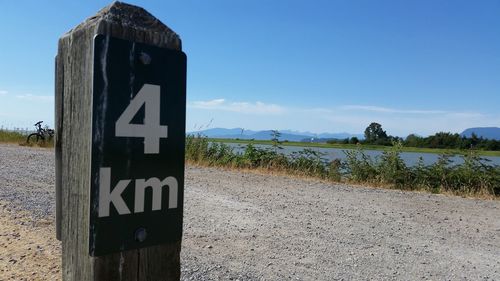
point(410, 158)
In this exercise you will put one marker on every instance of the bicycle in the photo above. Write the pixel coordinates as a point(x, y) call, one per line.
point(41, 133)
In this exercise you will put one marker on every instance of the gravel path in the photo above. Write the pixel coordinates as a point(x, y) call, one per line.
point(246, 226)
point(27, 179)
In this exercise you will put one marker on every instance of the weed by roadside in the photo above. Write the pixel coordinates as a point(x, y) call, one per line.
point(11, 136)
point(20, 138)
point(472, 177)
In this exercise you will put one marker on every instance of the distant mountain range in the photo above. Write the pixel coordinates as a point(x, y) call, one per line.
point(492, 133)
point(239, 133)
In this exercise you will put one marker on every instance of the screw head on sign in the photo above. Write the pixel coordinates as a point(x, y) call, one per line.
point(145, 58)
point(140, 234)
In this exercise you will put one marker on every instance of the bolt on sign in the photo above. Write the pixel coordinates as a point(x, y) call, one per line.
point(138, 138)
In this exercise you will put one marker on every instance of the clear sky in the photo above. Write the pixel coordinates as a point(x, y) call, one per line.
point(321, 66)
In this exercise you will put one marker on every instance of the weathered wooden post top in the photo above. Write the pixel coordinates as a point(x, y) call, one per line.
point(120, 133)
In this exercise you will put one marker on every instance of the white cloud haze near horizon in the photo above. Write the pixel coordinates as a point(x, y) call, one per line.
point(23, 110)
point(344, 118)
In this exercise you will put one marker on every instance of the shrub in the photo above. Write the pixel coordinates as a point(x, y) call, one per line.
point(391, 169)
point(310, 163)
point(473, 176)
point(360, 167)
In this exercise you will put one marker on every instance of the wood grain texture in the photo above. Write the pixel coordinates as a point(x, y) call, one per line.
point(59, 85)
point(73, 102)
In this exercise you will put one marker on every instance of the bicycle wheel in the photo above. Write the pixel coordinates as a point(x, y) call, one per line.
point(34, 138)
point(50, 134)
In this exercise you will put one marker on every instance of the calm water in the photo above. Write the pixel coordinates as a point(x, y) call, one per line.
point(410, 158)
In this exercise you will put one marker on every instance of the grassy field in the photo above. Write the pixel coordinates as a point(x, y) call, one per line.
point(18, 138)
point(363, 146)
point(11, 137)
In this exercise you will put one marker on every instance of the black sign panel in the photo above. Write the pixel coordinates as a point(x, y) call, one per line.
point(138, 135)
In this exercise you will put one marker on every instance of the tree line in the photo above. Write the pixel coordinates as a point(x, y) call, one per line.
point(374, 134)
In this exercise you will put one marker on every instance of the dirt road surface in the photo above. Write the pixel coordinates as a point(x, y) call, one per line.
point(247, 226)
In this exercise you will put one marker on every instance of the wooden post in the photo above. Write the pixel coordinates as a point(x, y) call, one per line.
point(74, 74)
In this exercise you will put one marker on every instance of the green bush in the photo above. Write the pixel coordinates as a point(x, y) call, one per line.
point(420, 175)
point(439, 174)
point(359, 166)
point(391, 169)
point(473, 176)
point(310, 163)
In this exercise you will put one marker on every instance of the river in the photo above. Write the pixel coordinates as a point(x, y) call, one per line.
point(410, 158)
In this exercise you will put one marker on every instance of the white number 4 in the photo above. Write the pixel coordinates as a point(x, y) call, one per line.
point(151, 130)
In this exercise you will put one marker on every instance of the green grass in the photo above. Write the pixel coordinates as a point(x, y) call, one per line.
point(472, 177)
point(363, 146)
point(16, 137)
point(11, 137)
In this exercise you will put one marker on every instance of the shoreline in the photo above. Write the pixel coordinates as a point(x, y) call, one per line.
point(362, 146)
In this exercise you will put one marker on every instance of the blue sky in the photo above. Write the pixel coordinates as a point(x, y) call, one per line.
point(320, 66)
